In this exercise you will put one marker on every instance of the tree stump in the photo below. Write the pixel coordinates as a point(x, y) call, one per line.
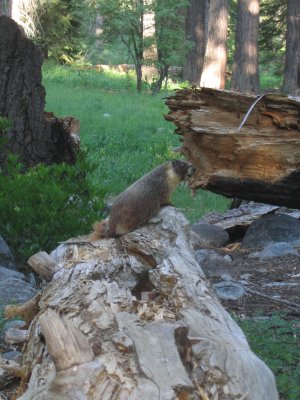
point(135, 318)
point(36, 137)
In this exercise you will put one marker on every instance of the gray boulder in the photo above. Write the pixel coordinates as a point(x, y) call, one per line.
point(275, 250)
point(15, 290)
point(210, 235)
point(6, 256)
point(9, 273)
point(272, 229)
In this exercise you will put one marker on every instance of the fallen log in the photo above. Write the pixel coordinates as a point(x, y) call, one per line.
point(99, 334)
point(259, 162)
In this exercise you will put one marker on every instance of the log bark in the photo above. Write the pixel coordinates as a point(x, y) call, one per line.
point(35, 136)
point(95, 338)
point(259, 162)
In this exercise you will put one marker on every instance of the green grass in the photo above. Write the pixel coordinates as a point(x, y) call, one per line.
point(276, 340)
point(124, 131)
point(269, 81)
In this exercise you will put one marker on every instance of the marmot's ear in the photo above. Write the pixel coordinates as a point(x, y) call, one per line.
point(174, 162)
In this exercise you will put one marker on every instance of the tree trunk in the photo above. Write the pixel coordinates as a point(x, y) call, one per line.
point(291, 84)
point(135, 318)
point(149, 70)
point(195, 33)
point(6, 7)
point(163, 73)
point(22, 100)
point(139, 77)
point(245, 76)
point(259, 162)
point(214, 68)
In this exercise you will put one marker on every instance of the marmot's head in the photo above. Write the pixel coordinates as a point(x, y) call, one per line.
point(183, 169)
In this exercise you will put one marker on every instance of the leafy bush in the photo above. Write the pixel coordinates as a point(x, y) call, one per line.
point(276, 341)
point(5, 124)
point(46, 204)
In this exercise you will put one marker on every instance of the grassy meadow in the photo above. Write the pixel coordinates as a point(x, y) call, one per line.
point(124, 131)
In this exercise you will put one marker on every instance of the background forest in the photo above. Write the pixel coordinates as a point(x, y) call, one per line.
point(158, 46)
point(193, 35)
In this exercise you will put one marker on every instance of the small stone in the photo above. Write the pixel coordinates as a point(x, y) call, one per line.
point(15, 336)
point(226, 277)
point(246, 276)
point(13, 356)
point(15, 324)
point(213, 264)
point(229, 290)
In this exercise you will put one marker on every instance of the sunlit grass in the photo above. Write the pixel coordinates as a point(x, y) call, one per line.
point(124, 131)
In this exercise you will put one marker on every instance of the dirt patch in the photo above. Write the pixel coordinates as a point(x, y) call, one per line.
point(276, 281)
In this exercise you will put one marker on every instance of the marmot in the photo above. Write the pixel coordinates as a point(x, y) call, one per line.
point(142, 200)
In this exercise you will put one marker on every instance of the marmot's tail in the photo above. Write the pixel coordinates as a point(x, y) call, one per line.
point(100, 230)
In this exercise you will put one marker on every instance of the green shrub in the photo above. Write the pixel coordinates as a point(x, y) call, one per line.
point(46, 204)
point(5, 124)
point(276, 341)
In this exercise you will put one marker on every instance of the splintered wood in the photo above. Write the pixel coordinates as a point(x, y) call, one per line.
point(134, 318)
point(259, 162)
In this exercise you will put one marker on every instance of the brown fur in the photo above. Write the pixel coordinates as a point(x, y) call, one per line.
point(142, 200)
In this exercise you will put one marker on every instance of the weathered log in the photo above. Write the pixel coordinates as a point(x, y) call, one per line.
point(95, 338)
point(237, 220)
point(43, 265)
point(36, 137)
point(259, 162)
point(27, 311)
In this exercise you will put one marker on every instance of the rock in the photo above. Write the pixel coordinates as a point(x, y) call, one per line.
point(212, 263)
point(31, 279)
point(13, 356)
point(272, 229)
point(9, 273)
point(246, 276)
point(15, 324)
point(14, 290)
point(229, 290)
point(273, 250)
point(16, 336)
point(6, 256)
point(210, 235)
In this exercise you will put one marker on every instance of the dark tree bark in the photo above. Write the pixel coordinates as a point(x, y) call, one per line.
point(22, 99)
point(291, 84)
point(6, 7)
point(195, 33)
point(245, 76)
point(214, 68)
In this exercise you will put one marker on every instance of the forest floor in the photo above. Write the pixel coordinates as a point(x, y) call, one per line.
point(270, 285)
